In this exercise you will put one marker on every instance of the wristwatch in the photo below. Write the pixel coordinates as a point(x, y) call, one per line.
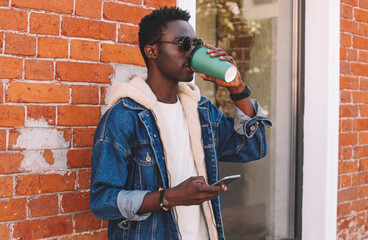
point(244, 94)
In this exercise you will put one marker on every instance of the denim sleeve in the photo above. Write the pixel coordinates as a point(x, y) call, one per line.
point(129, 203)
point(245, 125)
point(108, 197)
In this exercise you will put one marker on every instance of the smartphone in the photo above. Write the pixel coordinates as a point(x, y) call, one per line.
point(227, 180)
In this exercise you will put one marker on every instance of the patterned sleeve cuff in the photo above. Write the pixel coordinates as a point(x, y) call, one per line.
point(129, 203)
point(246, 125)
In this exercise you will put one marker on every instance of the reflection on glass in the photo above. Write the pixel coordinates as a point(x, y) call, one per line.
point(258, 35)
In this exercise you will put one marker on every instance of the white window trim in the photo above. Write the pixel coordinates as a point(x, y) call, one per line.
point(321, 119)
point(321, 116)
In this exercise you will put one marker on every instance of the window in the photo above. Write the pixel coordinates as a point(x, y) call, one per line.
point(260, 35)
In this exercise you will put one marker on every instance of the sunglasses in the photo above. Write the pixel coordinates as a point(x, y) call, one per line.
point(186, 43)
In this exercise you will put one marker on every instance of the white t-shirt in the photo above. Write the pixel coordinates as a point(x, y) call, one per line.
point(190, 218)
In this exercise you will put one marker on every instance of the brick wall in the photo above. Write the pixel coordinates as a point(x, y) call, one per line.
point(57, 60)
point(352, 212)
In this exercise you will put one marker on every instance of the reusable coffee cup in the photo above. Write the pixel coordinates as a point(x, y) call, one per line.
point(202, 62)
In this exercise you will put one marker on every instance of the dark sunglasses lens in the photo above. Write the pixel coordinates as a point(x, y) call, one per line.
point(199, 42)
point(186, 43)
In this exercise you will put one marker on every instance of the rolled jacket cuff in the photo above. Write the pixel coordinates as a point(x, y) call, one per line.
point(129, 203)
point(246, 125)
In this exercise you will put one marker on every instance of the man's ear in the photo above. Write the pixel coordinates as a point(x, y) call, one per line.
point(151, 52)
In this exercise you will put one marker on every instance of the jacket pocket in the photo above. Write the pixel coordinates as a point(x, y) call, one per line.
point(145, 167)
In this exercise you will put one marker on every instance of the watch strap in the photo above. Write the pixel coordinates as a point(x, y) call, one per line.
point(163, 202)
point(243, 94)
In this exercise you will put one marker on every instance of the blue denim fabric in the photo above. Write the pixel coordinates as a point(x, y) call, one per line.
point(128, 162)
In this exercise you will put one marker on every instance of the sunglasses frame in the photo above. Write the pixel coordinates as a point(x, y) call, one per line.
point(192, 42)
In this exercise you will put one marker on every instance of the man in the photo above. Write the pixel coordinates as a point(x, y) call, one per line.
point(156, 149)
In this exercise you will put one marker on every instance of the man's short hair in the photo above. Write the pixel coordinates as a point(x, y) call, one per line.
point(151, 26)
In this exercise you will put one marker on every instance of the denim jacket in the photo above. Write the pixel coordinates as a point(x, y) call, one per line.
point(129, 160)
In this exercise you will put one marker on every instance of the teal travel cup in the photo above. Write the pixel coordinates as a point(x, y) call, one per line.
point(202, 62)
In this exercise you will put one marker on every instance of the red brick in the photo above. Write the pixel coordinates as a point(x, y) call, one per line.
point(363, 85)
point(64, 6)
point(355, 180)
point(39, 70)
point(37, 93)
point(361, 15)
point(88, 8)
point(78, 116)
point(345, 96)
point(86, 222)
point(348, 26)
point(348, 110)
point(349, 83)
point(82, 94)
point(83, 72)
point(128, 34)
point(343, 223)
point(360, 151)
point(46, 205)
point(4, 231)
point(52, 47)
point(43, 228)
point(105, 223)
point(44, 24)
point(4, 3)
point(346, 153)
point(345, 40)
point(18, 20)
point(360, 124)
point(345, 67)
point(363, 137)
point(363, 191)
point(101, 235)
point(78, 158)
point(124, 13)
point(1, 41)
point(10, 67)
point(83, 137)
point(343, 53)
point(6, 187)
point(348, 194)
point(48, 183)
point(363, 56)
point(74, 27)
point(11, 116)
point(13, 209)
point(346, 139)
point(363, 29)
point(13, 138)
point(2, 140)
point(352, 54)
point(363, 4)
point(122, 54)
point(346, 11)
point(47, 113)
point(346, 125)
point(74, 202)
point(350, 2)
point(360, 205)
point(363, 110)
point(359, 69)
point(137, 2)
point(103, 92)
point(344, 181)
point(363, 164)
point(18, 44)
point(84, 178)
point(348, 167)
point(159, 3)
point(84, 50)
point(360, 42)
point(363, 178)
point(343, 209)
point(10, 163)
